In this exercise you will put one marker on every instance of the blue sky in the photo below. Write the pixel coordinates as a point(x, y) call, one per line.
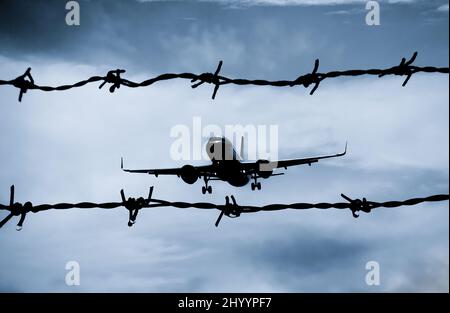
point(67, 146)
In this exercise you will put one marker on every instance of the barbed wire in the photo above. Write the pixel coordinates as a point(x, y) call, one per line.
point(230, 208)
point(406, 68)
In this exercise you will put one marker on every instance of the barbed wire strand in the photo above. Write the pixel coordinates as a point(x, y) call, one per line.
point(230, 208)
point(406, 68)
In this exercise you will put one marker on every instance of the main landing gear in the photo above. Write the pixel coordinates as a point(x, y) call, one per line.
point(256, 184)
point(206, 188)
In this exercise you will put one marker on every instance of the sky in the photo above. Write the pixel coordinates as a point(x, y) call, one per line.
point(66, 146)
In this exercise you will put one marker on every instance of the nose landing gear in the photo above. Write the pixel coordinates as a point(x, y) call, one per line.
point(206, 188)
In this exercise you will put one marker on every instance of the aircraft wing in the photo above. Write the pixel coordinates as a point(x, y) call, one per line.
point(201, 170)
point(271, 165)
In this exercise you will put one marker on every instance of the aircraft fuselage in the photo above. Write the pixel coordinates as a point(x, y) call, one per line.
point(227, 161)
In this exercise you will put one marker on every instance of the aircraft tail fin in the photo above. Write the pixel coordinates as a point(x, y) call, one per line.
point(242, 148)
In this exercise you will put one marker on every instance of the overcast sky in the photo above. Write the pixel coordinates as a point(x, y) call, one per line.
point(66, 146)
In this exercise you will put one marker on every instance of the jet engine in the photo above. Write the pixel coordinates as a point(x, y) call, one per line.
point(189, 174)
point(263, 170)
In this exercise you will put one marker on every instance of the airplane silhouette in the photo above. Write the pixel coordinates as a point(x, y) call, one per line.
point(227, 165)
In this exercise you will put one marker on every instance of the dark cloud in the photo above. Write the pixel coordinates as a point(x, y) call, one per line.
point(293, 258)
point(176, 36)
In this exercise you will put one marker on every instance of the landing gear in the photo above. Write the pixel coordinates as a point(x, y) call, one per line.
point(206, 188)
point(256, 184)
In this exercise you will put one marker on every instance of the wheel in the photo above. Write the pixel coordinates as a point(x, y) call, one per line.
point(209, 189)
point(258, 185)
point(253, 186)
point(203, 190)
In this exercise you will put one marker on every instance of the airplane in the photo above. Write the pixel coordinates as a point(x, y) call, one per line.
point(227, 165)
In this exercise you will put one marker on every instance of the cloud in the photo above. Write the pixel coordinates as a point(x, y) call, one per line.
point(252, 43)
point(78, 136)
point(443, 8)
point(287, 2)
point(248, 3)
